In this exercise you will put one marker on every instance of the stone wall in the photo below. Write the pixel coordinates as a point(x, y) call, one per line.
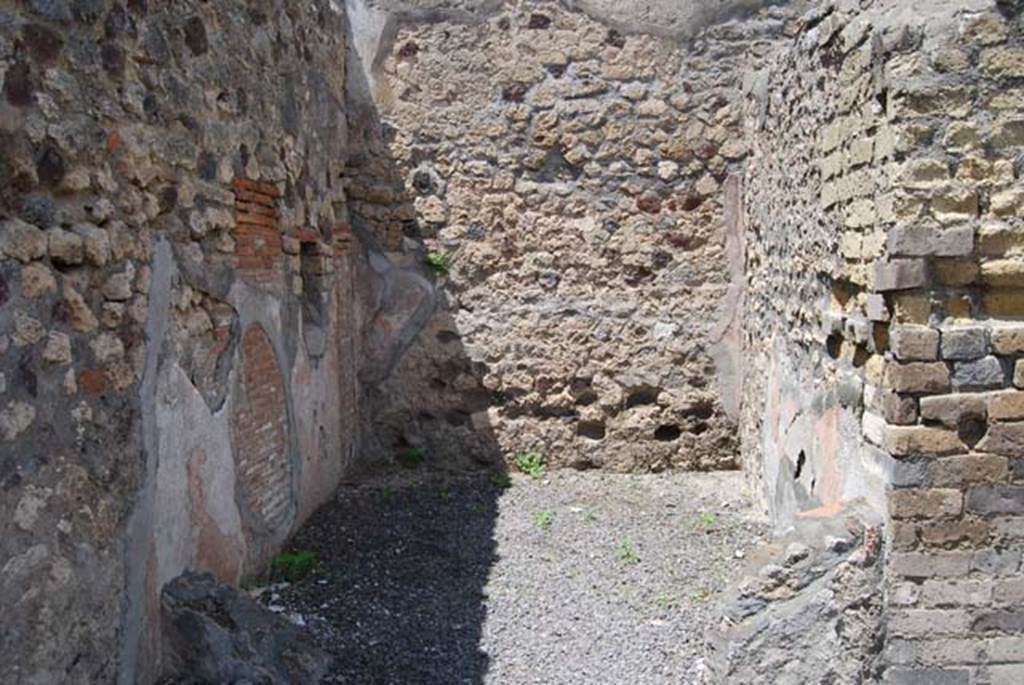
point(582, 180)
point(883, 271)
point(815, 182)
point(177, 319)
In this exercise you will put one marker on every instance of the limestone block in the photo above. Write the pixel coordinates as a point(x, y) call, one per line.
point(917, 240)
point(1007, 405)
point(930, 564)
point(956, 271)
point(1003, 61)
point(1007, 203)
point(1003, 438)
point(95, 242)
point(900, 274)
point(1007, 338)
point(921, 440)
point(58, 349)
point(925, 503)
point(964, 342)
point(950, 409)
point(999, 239)
point(967, 469)
point(21, 241)
point(917, 377)
point(118, 287)
point(37, 279)
point(996, 499)
point(984, 29)
point(986, 372)
point(914, 343)
point(65, 247)
point(1008, 133)
point(1004, 303)
point(922, 174)
point(1003, 273)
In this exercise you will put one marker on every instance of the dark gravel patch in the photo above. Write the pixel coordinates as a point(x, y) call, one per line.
point(577, 578)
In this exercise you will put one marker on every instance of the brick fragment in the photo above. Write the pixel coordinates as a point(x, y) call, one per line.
point(257, 187)
point(258, 219)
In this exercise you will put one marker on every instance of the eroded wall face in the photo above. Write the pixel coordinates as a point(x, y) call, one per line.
point(177, 381)
point(583, 182)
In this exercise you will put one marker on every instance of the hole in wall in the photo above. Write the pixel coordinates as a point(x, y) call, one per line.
point(457, 417)
point(593, 430)
point(445, 337)
point(801, 459)
point(834, 345)
point(699, 428)
point(880, 334)
point(971, 429)
point(1010, 9)
point(667, 433)
point(882, 98)
point(860, 356)
point(700, 410)
point(641, 397)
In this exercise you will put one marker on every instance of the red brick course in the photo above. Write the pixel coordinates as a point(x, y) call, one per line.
point(260, 426)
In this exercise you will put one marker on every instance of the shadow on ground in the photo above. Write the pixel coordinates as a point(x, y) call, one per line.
point(398, 596)
point(405, 552)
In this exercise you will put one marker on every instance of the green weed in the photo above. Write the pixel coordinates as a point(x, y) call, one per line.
point(293, 566)
point(665, 601)
point(439, 262)
point(530, 462)
point(411, 457)
point(544, 519)
point(627, 553)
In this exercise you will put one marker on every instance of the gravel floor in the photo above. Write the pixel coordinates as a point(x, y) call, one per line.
point(575, 578)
